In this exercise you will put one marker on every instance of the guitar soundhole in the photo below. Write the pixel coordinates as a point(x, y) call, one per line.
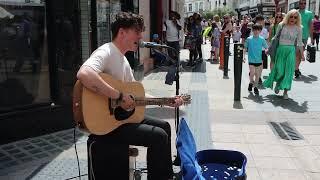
point(121, 114)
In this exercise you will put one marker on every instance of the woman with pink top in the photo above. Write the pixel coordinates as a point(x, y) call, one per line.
point(285, 58)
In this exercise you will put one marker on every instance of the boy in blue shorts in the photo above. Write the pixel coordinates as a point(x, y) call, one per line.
point(254, 45)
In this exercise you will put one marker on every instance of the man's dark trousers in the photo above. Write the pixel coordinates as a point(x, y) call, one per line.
point(151, 133)
point(176, 46)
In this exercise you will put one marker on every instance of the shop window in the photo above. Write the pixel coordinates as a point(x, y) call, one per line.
point(24, 69)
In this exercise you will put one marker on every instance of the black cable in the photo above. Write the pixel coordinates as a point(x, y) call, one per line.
point(76, 177)
point(75, 148)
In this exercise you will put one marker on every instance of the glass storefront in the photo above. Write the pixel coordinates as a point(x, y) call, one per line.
point(24, 69)
point(42, 45)
point(105, 14)
point(40, 54)
point(106, 11)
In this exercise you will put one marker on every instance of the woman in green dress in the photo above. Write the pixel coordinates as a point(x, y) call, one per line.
point(285, 58)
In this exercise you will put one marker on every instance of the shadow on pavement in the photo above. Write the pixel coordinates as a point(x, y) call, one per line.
point(256, 98)
point(198, 67)
point(237, 105)
point(307, 79)
point(163, 112)
point(278, 101)
point(289, 104)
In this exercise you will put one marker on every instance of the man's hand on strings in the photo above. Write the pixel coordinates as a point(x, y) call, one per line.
point(178, 101)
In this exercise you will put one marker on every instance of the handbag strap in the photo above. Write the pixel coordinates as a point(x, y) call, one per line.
point(279, 32)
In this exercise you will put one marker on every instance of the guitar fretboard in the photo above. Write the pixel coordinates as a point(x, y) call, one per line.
point(153, 101)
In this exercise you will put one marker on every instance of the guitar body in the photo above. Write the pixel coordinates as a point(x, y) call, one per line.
point(98, 116)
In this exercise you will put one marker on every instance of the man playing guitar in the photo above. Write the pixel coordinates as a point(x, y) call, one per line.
point(110, 59)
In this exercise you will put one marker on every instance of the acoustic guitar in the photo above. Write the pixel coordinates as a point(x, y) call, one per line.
point(99, 115)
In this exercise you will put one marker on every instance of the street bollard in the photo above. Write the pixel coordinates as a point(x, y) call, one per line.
point(226, 54)
point(238, 60)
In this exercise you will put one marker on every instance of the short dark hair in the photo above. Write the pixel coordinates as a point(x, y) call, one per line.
point(259, 17)
point(257, 27)
point(127, 20)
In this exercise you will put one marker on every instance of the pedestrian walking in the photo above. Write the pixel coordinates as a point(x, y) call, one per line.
point(254, 45)
point(316, 30)
point(307, 30)
point(171, 28)
point(215, 42)
point(264, 34)
point(245, 30)
point(236, 36)
point(290, 38)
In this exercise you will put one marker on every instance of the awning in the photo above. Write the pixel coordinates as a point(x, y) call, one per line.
point(4, 13)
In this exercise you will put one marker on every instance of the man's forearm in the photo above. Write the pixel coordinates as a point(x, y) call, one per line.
point(91, 80)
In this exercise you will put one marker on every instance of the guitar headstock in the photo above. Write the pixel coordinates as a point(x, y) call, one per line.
point(186, 98)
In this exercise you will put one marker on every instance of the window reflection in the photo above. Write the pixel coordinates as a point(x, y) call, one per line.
point(24, 76)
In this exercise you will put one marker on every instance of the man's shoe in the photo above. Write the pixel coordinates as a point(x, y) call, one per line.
point(299, 72)
point(250, 87)
point(296, 74)
point(285, 96)
point(176, 161)
point(189, 63)
point(256, 91)
point(276, 91)
point(177, 176)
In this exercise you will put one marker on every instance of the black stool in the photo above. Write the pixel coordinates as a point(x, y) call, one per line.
point(107, 160)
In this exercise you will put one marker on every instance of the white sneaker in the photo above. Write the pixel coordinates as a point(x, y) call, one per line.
point(285, 96)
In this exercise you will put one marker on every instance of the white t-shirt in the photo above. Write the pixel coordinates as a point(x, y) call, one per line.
point(264, 33)
point(108, 59)
point(236, 36)
point(172, 31)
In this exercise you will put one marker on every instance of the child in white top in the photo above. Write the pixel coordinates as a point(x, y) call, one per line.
point(236, 35)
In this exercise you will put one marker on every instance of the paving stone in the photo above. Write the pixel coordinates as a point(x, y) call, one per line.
point(5, 159)
point(23, 143)
point(2, 154)
point(21, 155)
point(41, 155)
point(35, 151)
point(13, 151)
point(11, 163)
point(26, 159)
point(8, 147)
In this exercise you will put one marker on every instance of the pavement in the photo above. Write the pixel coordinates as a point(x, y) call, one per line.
point(281, 138)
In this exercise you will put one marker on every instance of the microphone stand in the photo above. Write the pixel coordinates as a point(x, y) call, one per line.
point(177, 77)
point(177, 160)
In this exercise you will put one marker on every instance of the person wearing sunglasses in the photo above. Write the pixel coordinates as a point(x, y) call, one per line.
point(272, 31)
point(307, 30)
point(284, 65)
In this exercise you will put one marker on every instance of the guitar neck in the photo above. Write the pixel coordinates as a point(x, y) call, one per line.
point(153, 101)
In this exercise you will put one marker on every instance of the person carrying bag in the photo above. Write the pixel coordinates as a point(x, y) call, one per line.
point(274, 44)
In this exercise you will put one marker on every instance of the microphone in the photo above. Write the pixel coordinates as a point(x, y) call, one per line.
point(143, 44)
